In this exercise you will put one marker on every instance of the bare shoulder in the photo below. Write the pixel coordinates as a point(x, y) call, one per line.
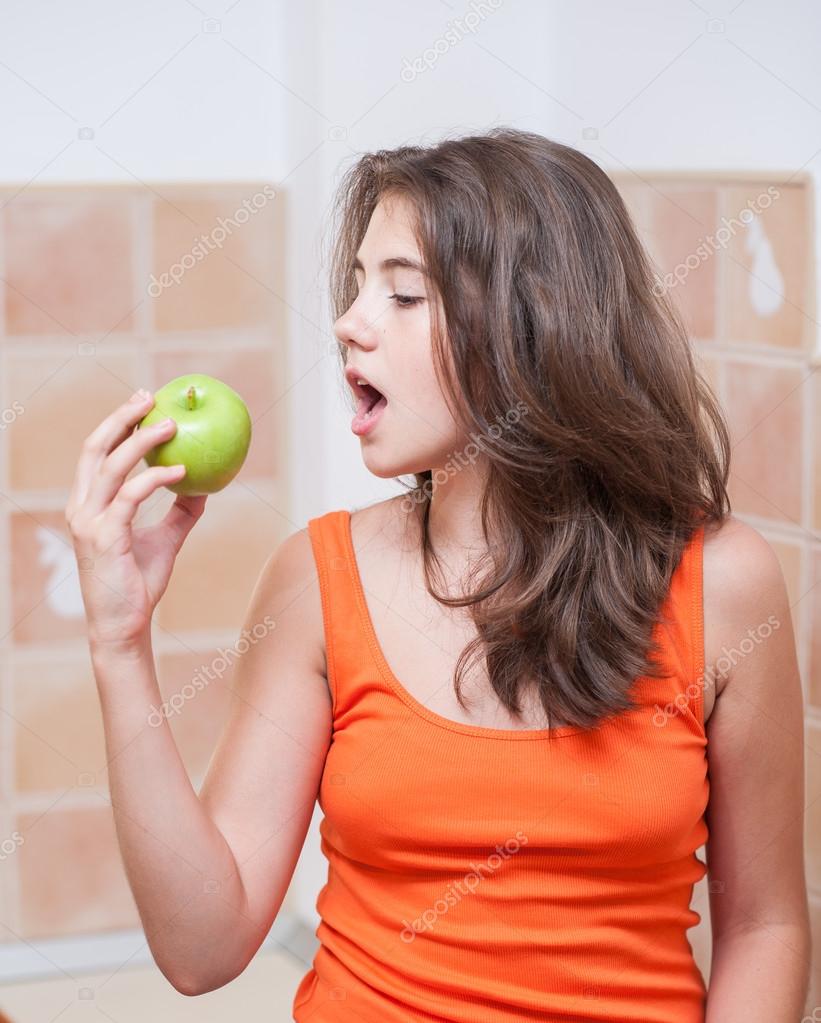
point(727, 542)
point(743, 588)
point(288, 587)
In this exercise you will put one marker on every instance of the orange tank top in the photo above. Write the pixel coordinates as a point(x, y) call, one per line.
point(484, 875)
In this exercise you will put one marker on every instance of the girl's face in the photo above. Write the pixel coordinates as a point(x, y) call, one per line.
point(388, 333)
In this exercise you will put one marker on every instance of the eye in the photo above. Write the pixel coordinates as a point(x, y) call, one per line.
point(405, 301)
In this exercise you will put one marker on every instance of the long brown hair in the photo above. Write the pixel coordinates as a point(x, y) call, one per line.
point(620, 452)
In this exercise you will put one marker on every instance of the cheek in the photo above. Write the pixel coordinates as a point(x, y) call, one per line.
point(422, 406)
point(420, 390)
point(425, 418)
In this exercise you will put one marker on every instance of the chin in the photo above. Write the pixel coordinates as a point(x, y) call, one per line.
point(388, 466)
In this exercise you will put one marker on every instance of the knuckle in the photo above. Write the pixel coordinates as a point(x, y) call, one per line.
point(126, 496)
point(81, 531)
point(108, 465)
point(129, 493)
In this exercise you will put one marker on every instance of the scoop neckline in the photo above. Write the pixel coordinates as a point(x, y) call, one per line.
point(481, 731)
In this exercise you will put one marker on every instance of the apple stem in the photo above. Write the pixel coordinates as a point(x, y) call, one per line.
point(189, 395)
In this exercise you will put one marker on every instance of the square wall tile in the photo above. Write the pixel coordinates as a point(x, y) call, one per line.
point(812, 801)
point(766, 266)
point(221, 560)
point(216, 262)
point(59, 742)
point(682, 221)
point(637, 199)
point(72, 878)
point(710, 369)
point(764, 413)
point(789, 558)
point(815, 469)
point(64, 398)
point(69, 264)
point(196, 693)
point(814, 600)
point(10, 843)
point(46, 601)
point(814, 995)
point(251, 373)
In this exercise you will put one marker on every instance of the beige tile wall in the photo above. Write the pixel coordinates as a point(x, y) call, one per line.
point(80, 332)
point(85, 319)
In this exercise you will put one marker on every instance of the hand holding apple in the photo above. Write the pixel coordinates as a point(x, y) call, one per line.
point(212, 436)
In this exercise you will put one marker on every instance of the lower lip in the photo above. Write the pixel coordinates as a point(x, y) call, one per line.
point(364, 424)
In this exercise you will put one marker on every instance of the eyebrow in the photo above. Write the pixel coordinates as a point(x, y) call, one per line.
point(394, 261)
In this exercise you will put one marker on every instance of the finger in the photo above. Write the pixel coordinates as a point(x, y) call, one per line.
point(111, 432)
point(111, 473)
point(123, 508)
point(181, 516)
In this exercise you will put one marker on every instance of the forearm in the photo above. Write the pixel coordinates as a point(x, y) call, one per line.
point(759, 976)
point(180, 868)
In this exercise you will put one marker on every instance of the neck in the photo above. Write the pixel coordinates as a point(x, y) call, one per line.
point(454, 518)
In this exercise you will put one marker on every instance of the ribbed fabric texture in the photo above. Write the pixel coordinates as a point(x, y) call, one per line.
point(482, 875)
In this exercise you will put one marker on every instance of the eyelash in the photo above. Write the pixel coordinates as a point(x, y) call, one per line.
point(407, 300)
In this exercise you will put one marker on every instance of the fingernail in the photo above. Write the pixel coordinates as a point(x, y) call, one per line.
point(140, 395)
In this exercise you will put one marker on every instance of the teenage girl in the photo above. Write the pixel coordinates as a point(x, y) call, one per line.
point(505, 685)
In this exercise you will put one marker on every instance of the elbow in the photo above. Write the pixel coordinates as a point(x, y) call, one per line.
point(184, 983)
point(191, 986)
point(186, 986)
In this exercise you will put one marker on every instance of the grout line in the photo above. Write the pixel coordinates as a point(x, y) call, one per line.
point(55, 500)
point(804, 623)
point(761, 355)
point(3, 270)
point(10, 882)
point(721, 273)
point(141, 214)
point(683, 181)
point(257, 338)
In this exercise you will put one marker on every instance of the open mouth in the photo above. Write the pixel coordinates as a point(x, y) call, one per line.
point(369, 400)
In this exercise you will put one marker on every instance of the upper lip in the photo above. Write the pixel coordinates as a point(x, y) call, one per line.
point(352, 374)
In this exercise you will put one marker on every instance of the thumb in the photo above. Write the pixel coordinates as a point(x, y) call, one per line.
point(181, 516)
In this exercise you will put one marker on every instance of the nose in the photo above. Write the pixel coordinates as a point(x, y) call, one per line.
point(354, 326)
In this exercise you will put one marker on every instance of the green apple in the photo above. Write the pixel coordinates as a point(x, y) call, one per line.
point(212, 436)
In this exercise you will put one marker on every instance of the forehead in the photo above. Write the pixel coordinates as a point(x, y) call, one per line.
point(391, 224)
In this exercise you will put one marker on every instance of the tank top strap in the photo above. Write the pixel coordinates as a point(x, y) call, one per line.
point(347, 651)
